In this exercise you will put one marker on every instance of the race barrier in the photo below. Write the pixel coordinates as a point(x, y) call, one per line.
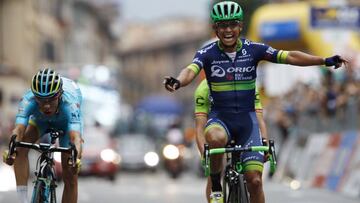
point(330, 161)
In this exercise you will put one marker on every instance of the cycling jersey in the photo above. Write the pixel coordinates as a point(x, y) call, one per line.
point(67, 118)
point(232, 83)
point(202, 99)
point(231, 80)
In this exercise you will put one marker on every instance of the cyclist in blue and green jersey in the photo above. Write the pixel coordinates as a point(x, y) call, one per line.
point(202, 107)
point(52, 102)
point(230, 68)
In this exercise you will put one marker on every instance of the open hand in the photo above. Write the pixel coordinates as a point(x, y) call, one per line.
point(336, 61)
point(171, 84)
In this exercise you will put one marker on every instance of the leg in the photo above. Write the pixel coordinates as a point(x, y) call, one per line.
point(254, 184)
point(216, 137)
point(70, 181)
point(21, 164)
point(208, 189)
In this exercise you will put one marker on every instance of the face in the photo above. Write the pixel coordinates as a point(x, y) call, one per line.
point(228, 32)
point(48, 106)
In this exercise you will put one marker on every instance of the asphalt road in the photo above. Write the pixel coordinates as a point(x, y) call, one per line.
point(159, 188)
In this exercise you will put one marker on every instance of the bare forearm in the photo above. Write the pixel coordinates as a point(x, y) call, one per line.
point(200, 136)
point(299, 58)
point(262, 126)
point(76, 140)
point(186, 76)
point(19, 131)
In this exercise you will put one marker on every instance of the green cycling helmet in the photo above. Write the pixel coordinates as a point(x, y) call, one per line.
point(226, 10)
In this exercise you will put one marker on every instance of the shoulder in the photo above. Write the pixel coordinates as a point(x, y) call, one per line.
point(69, 84)
point(207, 48)
point(249, 43)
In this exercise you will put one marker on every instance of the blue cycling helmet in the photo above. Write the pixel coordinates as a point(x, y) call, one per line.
point(46, 83)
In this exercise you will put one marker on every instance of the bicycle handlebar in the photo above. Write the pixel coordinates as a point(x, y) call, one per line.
point(237, 148)
point(43, 148)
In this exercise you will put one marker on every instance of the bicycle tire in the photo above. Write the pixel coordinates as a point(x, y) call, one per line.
point(243, 191)
point(45, 188)
point(230, 192)
point(37, 192)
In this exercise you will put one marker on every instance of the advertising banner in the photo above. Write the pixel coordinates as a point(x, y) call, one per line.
point(335, 17)
point(341, 160)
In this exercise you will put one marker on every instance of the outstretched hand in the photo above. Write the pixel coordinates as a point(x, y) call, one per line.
point(336, 61)
point(171, 84)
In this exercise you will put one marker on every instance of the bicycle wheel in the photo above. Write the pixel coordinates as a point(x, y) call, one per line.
point(243, 191)
point(43, 193)
point(37, 195)
point(230, 191)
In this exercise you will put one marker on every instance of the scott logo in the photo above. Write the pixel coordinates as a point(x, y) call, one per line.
point(217, 71)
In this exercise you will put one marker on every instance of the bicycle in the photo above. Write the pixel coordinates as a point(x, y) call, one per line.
point(45, 182)
point(234, 184)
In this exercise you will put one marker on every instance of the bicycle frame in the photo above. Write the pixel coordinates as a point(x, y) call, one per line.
point(235, 190)
point(45, 182)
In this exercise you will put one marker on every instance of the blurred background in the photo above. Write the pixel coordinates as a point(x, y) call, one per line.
point(139, 139)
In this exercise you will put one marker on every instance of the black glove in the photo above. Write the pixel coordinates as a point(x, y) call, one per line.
point(172, 82)
point(334, 61)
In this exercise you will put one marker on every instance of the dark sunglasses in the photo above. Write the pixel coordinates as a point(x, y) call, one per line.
point(225, 24)
point(47, 100)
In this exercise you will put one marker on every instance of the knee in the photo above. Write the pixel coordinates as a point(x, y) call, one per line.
point(254, 182)
point(69, 178)
point(216, 138)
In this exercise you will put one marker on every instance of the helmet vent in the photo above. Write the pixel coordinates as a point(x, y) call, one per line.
point(226, 10)
point(232, 8)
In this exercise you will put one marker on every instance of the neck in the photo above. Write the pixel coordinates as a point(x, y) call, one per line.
point(233, 48)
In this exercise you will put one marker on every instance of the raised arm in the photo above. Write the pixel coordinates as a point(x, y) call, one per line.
point(299, 58)
point(184, 78)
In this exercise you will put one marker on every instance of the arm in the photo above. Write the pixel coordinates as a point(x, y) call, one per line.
point(200, 121)
point(262, 125)
point(299, 58)
point(19, 131)
point(184, 78)
point(75, 138)
point(302, 59)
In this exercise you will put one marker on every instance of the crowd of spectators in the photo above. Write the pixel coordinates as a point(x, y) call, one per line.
point(333, 106)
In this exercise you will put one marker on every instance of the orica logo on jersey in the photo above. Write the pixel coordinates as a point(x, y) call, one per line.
point(217, 71)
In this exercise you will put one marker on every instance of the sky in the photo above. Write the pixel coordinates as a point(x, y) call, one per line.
point(152, 10)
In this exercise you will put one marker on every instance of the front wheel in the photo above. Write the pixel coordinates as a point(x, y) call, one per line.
point(236, 192)
point(243, 191)
point(43, 193)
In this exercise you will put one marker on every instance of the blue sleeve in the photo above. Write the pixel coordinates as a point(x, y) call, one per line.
point(25, 109)
point(74, 117)
point(267, 53)
point(200, 59)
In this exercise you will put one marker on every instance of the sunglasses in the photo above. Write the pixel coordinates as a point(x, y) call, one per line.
point(225, 24)
point(51, 100)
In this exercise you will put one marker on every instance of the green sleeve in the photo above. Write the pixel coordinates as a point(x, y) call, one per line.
point(258, 105)
point(201, 98)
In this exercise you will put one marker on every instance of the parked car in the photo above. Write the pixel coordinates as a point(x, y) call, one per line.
point(99, 157)
point(137, 152)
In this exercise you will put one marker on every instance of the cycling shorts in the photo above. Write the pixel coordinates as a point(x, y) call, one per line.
point(243, 128)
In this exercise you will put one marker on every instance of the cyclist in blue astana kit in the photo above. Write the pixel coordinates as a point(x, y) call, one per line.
point(202, 105)
point(52, 102)
point(230, 68)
